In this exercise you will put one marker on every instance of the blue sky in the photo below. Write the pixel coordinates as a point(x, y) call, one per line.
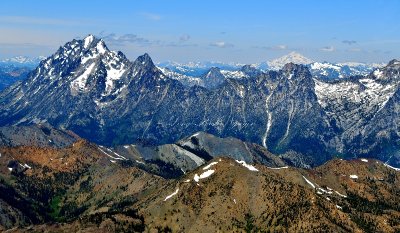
point(227, 31)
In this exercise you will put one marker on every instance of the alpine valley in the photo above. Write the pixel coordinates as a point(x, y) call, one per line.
point(93, 142)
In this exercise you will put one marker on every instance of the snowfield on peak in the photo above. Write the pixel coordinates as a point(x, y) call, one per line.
point(292, 57)
point(79, 83)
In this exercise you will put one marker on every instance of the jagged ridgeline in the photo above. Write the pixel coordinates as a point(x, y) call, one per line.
point(103, 97)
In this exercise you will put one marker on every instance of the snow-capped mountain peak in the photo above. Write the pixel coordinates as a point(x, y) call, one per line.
point(292, 57)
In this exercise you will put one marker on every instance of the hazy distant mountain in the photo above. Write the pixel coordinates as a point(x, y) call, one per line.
point(22, 61)
point(9, 74)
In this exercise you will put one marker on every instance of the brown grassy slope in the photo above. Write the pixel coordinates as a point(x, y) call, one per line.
point(235, 198)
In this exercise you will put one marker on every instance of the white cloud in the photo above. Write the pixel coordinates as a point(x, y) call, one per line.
point(222, 44)
point(276, 47)
point(327, 49)
point(280, 47)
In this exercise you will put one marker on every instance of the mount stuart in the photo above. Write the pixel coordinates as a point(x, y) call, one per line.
point(102, 96)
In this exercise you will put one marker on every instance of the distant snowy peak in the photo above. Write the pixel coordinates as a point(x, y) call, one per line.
point(331, 71)
point(184, 79)
point(23, 60)
point(292, 57)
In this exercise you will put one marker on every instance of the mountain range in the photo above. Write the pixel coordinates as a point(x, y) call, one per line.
point(102, 96)
point(91, 141)
point(190, 74)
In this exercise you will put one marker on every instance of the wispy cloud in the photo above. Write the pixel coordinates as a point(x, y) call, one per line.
point(125, 39)
point(354, 50)
point(327, 49)
point(115, 39)
point(39, 21)
point(184, 38)
point(276, 47)
point(280, 47)
point(221, 44)
point(151, 16)
point(349, 42)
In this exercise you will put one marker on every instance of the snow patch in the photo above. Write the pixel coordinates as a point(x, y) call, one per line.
point(244, 164)
point(277, 168)
point(269, 121)
point(137, 161)
point(203, 175)
point(173, 194)
point(342, 195)
point(378, 73)
point(112, 157)
point(112, 75)
point(85, 59)
point(394, 168)
point(196, 178)
point(80, 82)
point(321, 66)
point(324, 191)
point(209, 165)
point(309, 182)
point(101, 47)
point(353, 176)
